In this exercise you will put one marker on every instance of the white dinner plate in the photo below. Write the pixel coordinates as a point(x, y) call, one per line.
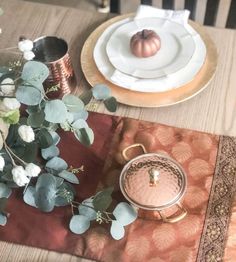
point(161, 84)
point(177, 48)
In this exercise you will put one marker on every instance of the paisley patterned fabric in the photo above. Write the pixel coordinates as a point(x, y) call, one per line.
point(210, 165)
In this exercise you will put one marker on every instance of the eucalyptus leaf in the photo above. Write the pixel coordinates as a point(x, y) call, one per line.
point(32, 109)
point(70, 117)
point(73, 103)
point(34, 72)
point(29, 153)
point(29, 95)
point(5, 191)
point(7, 175)
point(45, 198)
point(1, 11)
point(59, 181)
point(85, 136)
point(55, 137)
point(3, 203)
point(86, 96)
point(44, 138)
point(124, 213)
point(29, 196)
point(3, 220)
point(55, 111)
point(3, 69)
point(65, 194)
point(83, 114)
point(23, 121)
point(86, 208)
point(101, 92)
point(57, 164)
point(12, 135)
point(110, 104)
point(50, 152)
point(117, 230)
point(68, 176)
point(79, 224)
point(80, 123)
point(103, 199)
point(61, 201)
point(46, 180)
point(36, 119)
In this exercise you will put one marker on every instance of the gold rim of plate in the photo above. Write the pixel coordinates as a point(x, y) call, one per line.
point(142, 99)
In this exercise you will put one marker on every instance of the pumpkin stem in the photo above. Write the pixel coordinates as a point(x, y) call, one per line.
point(144, 33)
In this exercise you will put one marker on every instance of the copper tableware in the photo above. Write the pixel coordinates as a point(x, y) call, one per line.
point(53, 52)
point(153, 183)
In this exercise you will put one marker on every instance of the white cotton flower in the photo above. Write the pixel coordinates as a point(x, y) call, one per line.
point(26, 133)
point(32, 170)
point(28, 55)
point(11, 103)
point(25, 45)
point(2, 163)
point(19, 176)
point(7, 86)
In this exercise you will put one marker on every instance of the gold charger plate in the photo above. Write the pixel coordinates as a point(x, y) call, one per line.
point(142, 99)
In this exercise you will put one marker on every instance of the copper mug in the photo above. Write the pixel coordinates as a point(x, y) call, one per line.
point(154, 183)
point(53, 52)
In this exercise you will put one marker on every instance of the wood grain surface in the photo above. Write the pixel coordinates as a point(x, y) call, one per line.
point(213, 110)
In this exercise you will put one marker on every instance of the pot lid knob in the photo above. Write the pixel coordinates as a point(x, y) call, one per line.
point(154, 177)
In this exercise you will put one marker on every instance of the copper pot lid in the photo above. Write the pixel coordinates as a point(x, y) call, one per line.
point(153, 181)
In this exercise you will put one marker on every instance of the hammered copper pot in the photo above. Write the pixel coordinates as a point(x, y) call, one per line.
point(53, 52)
point(153, 183)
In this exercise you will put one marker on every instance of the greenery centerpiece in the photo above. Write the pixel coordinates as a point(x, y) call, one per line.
point(29, 122)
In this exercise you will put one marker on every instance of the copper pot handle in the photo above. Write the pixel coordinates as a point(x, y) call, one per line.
point(124, 152)
point(175, 217)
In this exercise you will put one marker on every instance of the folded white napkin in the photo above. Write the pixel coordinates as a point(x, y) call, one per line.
point(145, 11)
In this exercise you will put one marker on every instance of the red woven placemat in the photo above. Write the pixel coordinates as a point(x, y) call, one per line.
point(207, 160)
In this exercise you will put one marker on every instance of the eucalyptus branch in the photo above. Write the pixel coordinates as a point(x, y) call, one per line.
point(72, 209)
point(102, 216)
point(78, 203)
point(11, 153)
point(7, 97)
point(26, 186)
point(7, 84)
point(8, 48)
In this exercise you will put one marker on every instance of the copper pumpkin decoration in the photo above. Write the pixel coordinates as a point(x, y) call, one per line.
point(145, 43)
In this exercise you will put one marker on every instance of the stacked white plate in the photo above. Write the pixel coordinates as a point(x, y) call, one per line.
point(180, 58)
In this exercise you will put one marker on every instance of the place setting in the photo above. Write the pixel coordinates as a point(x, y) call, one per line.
point(180, 68)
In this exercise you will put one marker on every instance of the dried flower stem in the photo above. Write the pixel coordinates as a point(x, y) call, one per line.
point(11, 153)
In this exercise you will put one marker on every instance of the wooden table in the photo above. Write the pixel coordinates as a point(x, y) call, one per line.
point(212, 111)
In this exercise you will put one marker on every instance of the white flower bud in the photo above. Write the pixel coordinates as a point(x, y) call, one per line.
point(26, 133)
point(11, 103)
point(2, 163)
point(25, 45)
point(32, 170)
point(7, 86)
point(28, 55)
point(19, 176)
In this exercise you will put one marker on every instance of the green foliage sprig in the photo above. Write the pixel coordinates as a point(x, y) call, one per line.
point(23, 134)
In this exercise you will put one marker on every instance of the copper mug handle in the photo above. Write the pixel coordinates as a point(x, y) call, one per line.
point(175, 217)
point(124, 151)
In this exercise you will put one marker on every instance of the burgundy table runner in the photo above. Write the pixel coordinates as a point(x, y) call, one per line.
point(209, 162)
